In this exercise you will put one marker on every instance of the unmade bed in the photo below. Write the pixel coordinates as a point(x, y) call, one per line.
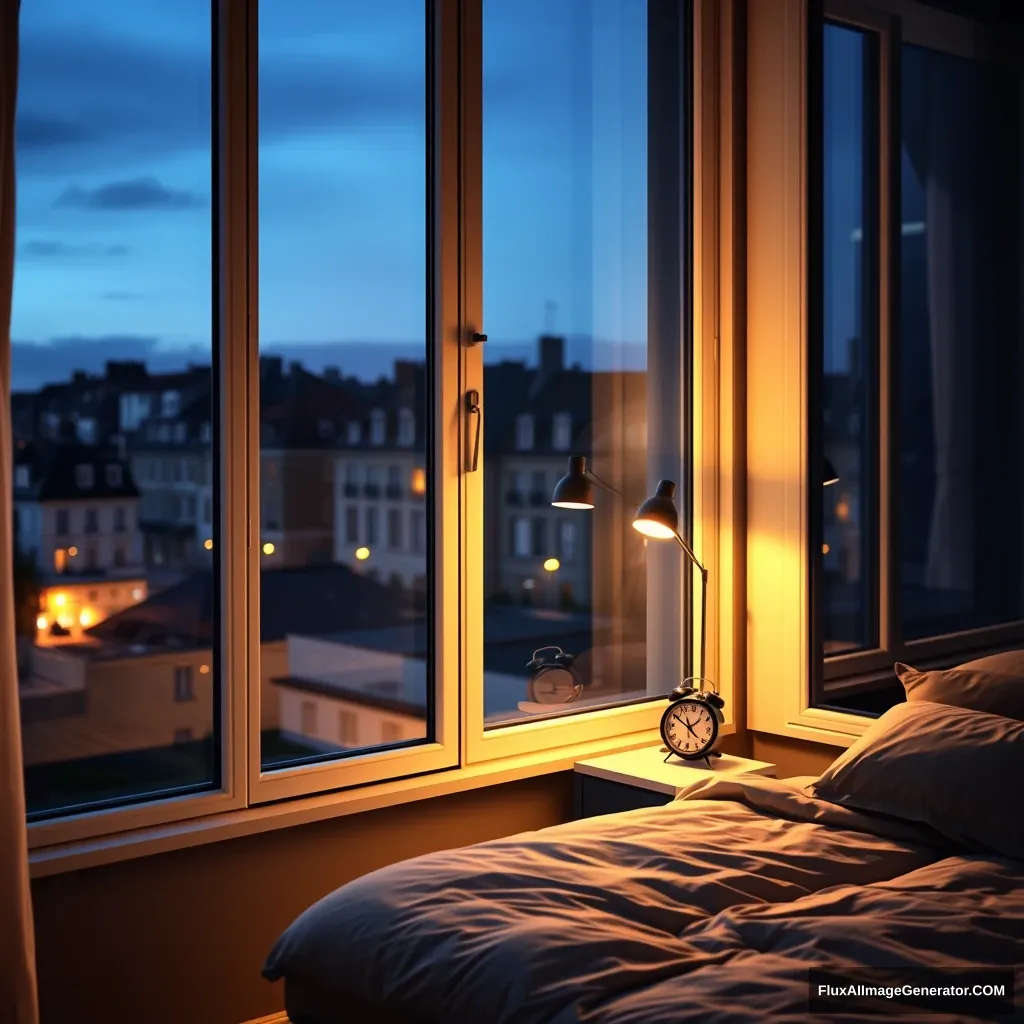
point(907, 853)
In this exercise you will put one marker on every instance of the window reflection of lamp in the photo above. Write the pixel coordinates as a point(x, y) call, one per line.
point(418, 484)
point(86, 618)
point(60, 559)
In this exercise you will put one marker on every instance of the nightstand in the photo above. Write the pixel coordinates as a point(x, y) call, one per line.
point(642, 778)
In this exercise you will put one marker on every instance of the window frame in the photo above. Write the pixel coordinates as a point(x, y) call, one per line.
point(461, 750)
point(783, 267)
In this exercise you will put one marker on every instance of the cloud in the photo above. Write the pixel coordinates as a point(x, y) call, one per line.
point(120, 296)
point(137, 194)
point(34, 131)
point(44, 248)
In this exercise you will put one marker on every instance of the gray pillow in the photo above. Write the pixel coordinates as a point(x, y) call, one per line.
point(949, 768)
point(994, 684)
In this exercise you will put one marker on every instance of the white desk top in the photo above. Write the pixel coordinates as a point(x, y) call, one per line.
point(646, 768)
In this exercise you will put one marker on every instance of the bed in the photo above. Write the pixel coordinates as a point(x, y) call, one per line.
point(908, 853)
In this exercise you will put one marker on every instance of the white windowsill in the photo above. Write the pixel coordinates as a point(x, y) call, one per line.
point(197, 831)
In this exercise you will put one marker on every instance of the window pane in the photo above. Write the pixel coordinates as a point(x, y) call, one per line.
point(343, 376)
point(565, 279)
point(849, 384)
point(960, 365)
point(116, 602)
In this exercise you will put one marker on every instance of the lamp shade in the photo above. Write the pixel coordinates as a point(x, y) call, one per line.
point(657, 517)
point(830, 475)
point(575, 489)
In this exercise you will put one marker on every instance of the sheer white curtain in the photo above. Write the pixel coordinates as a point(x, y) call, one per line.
point(18, 999)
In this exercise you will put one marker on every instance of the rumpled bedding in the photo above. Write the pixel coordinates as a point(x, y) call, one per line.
point(711, 908)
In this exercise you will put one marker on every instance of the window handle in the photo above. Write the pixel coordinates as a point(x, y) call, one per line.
point(473, 409)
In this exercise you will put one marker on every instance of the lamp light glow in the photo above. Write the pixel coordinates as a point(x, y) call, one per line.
point(362, 554)
point(85, 617)
point(657, 516)
point(552, 564)
point(42, 622)
point(268, 548)
point(208, 543)
point(72, 551)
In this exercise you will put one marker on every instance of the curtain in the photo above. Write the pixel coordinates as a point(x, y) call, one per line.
point(936, 127)
point(18, 996)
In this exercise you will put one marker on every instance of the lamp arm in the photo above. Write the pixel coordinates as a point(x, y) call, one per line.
point(703, 600)
point(689, 551)
point(605, 485)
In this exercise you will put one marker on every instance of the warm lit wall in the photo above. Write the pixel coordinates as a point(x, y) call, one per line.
point(182, 936)
point(793, 757)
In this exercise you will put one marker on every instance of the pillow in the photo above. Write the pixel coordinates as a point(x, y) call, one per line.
point(952, 769)
point(994, 684)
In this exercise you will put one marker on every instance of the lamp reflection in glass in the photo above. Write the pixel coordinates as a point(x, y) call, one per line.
point(576, 488)
point(658, 519)
point(830, 476)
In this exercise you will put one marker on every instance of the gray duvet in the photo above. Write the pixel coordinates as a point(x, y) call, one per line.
point(711, 908)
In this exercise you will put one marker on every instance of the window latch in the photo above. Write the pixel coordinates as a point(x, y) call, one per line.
point(473, 409)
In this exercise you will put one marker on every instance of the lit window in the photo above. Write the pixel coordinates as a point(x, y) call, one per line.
point(418, 484)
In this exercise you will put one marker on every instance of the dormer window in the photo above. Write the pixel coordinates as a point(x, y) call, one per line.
point(84, 476)
point(114, 476)
point(170, 404)
point(561, 432)
point(355, 432)
point(406, 428)
point(377, 426)
point(524, 432)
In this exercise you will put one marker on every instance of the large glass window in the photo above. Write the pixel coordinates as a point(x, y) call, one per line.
point(565, 299)
point(962, 447)
point(343, 363)
point(850, 340)
point(116, 597)
point(922, 546)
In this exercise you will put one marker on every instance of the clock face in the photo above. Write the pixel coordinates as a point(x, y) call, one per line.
point(689, 728)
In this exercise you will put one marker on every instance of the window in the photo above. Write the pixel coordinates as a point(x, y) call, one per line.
point(183, 687)
point(128, 209)
point(348, 728)
point(589, 270)
point(928, 565)
point(567, 541)
point(524, 432)
point(21, 476)
point(418, 531)
point(328, 269)
point(325, 428)
point(377, 426)
point(561, 431)
point(351, 525)
point(394, 529)
point(371, 525)
point(305, 663)
point(406, 428)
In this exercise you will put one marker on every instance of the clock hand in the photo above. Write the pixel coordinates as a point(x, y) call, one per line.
point(686, 722)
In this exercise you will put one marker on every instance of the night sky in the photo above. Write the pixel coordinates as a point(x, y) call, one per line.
point(114, 181)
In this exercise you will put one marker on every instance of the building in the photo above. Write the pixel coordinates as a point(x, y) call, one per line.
point(380, 493)
point(76, 508)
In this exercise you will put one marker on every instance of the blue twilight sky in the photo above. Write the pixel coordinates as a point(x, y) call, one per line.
point(114, 168)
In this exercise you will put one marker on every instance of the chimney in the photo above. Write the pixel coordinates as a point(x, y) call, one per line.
point(551, 354)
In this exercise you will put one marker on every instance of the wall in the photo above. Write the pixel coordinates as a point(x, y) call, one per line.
point(181, 937)
point(793, 757)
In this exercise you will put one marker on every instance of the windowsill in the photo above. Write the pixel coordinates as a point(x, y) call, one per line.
point(203, 829)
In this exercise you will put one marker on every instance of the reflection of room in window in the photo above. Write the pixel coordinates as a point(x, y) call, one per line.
point(418, 483)
point(390, 732)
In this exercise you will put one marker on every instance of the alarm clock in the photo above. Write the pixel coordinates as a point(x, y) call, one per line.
point(690, 723)
point(554, 679)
